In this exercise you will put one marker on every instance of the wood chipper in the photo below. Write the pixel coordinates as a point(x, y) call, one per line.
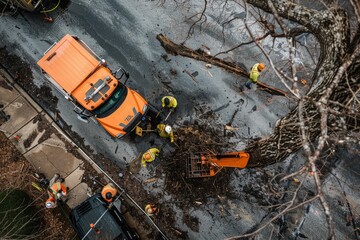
point(208, 164)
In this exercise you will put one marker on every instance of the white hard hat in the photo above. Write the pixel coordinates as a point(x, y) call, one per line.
point(168, 129)
point(49, 204)
point(149, 210)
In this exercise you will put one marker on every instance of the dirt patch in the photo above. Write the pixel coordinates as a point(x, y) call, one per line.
point(28, 141)
point(16, 172)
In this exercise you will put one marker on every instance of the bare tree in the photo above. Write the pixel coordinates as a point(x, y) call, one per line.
point(328, 113)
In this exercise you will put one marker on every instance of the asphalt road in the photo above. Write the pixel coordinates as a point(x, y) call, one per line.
point(124, 33)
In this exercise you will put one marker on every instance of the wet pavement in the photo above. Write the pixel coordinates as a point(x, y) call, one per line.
point(124, 34)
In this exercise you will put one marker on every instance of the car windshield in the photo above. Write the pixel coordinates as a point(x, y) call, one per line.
point(112, 103)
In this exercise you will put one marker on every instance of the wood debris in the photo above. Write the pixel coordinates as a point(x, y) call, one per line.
point(303, 81)
point(230, 128)
point(149, 180)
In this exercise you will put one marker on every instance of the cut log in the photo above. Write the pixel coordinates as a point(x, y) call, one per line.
point(177, 49)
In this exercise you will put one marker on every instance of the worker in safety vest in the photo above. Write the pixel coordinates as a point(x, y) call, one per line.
point(151, 210)
point(254, 74)
point(57, 191)
point(108, 192)
point(165, 131)
point(149, 156)
point(169, 102)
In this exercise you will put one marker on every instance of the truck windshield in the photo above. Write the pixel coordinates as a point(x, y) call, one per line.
point(112, 103)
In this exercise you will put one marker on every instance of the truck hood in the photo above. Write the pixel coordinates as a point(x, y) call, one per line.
point(127, 116)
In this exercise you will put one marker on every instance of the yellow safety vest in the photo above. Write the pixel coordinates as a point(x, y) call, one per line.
point(149, 156)
point(172, 104)
point(163, 133)
point(255, 73)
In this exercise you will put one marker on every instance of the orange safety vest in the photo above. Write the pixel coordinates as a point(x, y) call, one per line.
point(58, 187)
point(108, 189)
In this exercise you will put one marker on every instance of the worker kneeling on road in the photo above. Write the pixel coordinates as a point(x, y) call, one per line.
point(108, 192)
point(254, 74)
point(151, 210)
point(169, 102)
point(165, 131)
point(57, 191)
point(149, 156)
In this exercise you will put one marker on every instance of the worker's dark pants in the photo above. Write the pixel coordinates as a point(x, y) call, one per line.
point(248, 83)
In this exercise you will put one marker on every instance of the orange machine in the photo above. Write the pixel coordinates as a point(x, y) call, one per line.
point(209, 164)
point(96, 92)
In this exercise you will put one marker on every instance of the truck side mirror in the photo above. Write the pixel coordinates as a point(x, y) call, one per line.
point(81, 115)
point(83, 118)
point(123, 73)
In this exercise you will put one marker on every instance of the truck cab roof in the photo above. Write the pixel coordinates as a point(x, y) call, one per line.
point(78, 72)
point(109, 222)
point(84, 79)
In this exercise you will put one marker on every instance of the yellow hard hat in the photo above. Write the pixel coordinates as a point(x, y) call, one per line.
point(261, 66)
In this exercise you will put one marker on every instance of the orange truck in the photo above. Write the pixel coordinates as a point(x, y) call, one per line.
point(96, 92)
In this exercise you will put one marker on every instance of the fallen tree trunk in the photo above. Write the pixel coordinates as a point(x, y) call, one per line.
point(333, 35)
point(176, 49)
point(271, 90)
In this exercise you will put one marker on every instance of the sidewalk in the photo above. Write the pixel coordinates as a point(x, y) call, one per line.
point(34, 134)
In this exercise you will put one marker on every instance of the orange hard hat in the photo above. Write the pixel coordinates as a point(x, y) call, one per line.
point(50, 202)
point(147, 156)
point(261, 66)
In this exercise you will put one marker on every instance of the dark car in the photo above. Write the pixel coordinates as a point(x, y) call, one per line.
point(107, 223)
